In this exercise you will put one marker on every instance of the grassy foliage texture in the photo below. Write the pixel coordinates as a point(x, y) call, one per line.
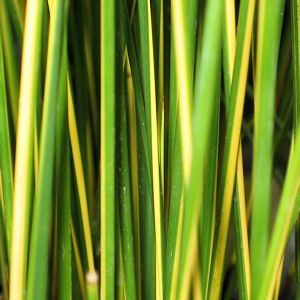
point(149, 149)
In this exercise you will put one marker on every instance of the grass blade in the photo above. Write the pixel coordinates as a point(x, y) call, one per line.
point(155, 170)
point(5, 156)
point(42, 205)
point(175, 178)
point(24, 149)
point(269, 28)
point(64, 233)
point(241, 233)
point(184, 89)
point(107, 15)
point(207, 217)
point(63, 187)
point(297, 257)
point(282, 223)
point(151, 257)
point(78, 262)
point(207, 69)
point(10, 61)
point(240, 220)
point(295, 11)
point(124, 192)
point(80, 179)
point(278, 281)
point(235, 112)
point(3, 257)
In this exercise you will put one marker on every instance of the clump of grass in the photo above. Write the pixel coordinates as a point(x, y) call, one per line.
point(149, 149)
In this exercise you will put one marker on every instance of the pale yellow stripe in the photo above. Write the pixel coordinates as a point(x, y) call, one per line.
point(187, 271)
point(80, 180)
point(230, 33)
point(243, 216)
point(155, 167)
point(233, 154)
point(161, 98)
point(184, 92)
point(162, 153)
point(278, 281)
point(23, 155)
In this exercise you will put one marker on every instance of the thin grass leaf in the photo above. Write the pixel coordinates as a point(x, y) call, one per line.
point(241, 233)
point(120, 284)
point(207, 218)
point(197, 289)
point(207, 68)
point(42, 204)
point(183, 75)
point(180, 65)
point(175, 180)
point(140, 64)
point(297, 257)
point(295, 7)
point(80, 179)
point(240, 220)
point(132, 138)
point(91, 172)
point(155, 170)
point(3, 256)
point(63, 190)
point(138, 89)
point(24, 148)
point(269, 28)
point(147, 230)
point(295, 12)
point(278, 281)
point(123, 189)
point(64, 235)
point(91, 73)
point(229, 49)
point(107, 15)
point(160, 97)
point(235, 112)
point(5, 157)
point(175, 266)
point(17, 12)
point(190, 12)
point(10, 61)
point(282, 223)
point(80, 272)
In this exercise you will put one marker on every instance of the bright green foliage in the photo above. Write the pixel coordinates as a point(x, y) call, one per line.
point(149, 149)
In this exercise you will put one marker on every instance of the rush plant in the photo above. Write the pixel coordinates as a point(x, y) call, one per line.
point(149, 149)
